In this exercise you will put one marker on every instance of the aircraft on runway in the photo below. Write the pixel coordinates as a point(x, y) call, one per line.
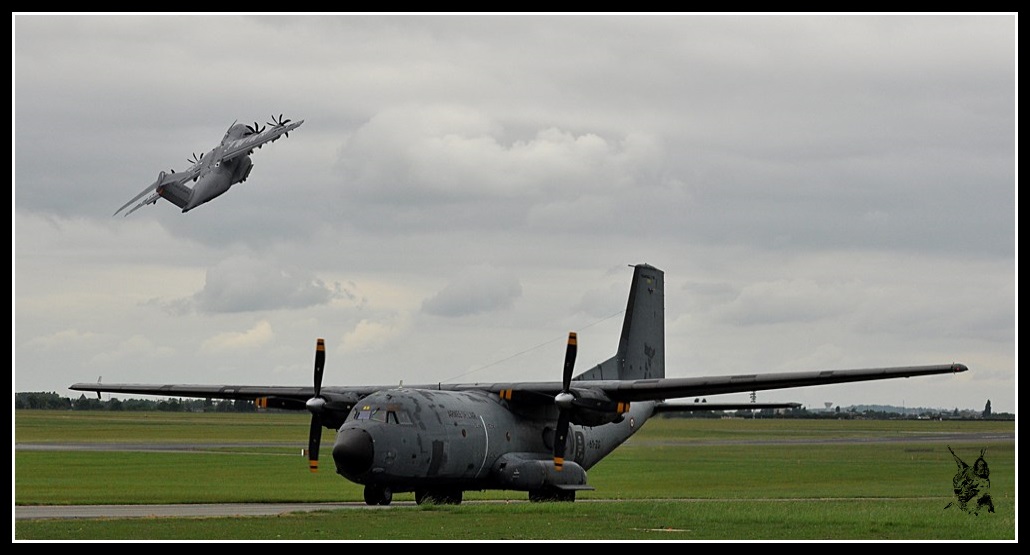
point(222, 167)
point(440, 440)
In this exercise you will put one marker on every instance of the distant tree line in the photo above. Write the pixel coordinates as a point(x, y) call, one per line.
point(53, 401)
point(879, 412)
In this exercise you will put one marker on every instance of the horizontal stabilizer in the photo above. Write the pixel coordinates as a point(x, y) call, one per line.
point(164, 180)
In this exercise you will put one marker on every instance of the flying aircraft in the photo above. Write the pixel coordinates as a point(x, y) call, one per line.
point(222, 167)
point(440, 440)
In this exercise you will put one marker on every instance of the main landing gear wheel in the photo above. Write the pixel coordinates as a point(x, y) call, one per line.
point(438, 497)
point(552, 494)
point(378, 495)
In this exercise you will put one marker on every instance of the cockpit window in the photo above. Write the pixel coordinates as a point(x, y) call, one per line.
point(363, 413)
point(398, 417)
point(390, 415)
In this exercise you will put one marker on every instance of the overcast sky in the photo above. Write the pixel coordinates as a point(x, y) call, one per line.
point(822, 191)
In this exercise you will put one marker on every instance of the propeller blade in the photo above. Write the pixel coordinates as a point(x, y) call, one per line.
point(561, 433)
point(570, 361)
point(319, 365)
point(314, 440)
point(564, 402)
point(315, 405)
point(278, 122)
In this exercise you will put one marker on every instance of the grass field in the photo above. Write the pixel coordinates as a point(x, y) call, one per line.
point(678, 479)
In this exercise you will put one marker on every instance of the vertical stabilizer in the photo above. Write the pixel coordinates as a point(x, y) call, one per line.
point(641, 353)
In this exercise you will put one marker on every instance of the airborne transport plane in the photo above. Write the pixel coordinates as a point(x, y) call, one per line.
point(222, 167)
point(441, 440)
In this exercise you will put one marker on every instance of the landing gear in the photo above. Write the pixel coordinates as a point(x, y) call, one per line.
point(548, 493)
point(438, 497)
point(378, 495)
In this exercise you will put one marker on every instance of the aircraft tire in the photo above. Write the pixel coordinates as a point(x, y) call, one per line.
point(438, 497)
point(378, 495)
point(552, 494)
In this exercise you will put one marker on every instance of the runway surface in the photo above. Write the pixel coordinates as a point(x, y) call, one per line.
point(27, 512)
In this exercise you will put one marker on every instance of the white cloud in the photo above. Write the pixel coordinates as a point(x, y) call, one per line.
point(242, 284)
point(370, 335)
point(260, 334)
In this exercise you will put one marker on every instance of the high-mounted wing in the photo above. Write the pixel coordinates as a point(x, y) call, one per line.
point(617, 391)
point(255, 138)
point(677, 388)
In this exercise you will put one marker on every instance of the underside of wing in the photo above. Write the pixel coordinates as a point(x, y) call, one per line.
point(674, 388)
point(285, 397)
point(599, 392)
point(677, 388)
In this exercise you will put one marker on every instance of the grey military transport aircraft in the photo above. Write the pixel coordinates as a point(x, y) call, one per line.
point(440, 440)
point(222, 167)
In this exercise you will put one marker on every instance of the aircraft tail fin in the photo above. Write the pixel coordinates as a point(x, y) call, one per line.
point(641, 353)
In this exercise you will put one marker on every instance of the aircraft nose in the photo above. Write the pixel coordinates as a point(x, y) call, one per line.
point(353, 452)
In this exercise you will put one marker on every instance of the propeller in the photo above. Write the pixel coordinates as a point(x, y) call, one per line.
point(316, 405)
point(196, 159)
point(279, 123)
point(564, 400)
point(254, 130)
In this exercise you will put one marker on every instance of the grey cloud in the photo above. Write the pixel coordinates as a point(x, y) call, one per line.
point(241, 284)
point(475, 290)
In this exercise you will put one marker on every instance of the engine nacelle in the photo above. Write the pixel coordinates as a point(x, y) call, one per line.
point(591, 407)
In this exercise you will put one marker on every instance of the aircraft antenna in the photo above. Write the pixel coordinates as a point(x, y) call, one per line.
point(524, 351)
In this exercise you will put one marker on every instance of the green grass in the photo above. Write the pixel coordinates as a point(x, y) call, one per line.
point(871, 519)
point(865, 490)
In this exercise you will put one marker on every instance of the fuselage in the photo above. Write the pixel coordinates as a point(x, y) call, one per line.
point(216, 177)
point(417, 438)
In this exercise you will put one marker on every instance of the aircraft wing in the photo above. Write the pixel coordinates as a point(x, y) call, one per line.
point(248, 143)
point(294, 397)
point(275, 396)
point(675, 388)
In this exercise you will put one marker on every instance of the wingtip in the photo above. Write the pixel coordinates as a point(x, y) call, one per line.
point(959, 367)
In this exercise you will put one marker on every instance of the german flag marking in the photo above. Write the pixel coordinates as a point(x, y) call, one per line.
point(313, 465)
point(558, 463)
